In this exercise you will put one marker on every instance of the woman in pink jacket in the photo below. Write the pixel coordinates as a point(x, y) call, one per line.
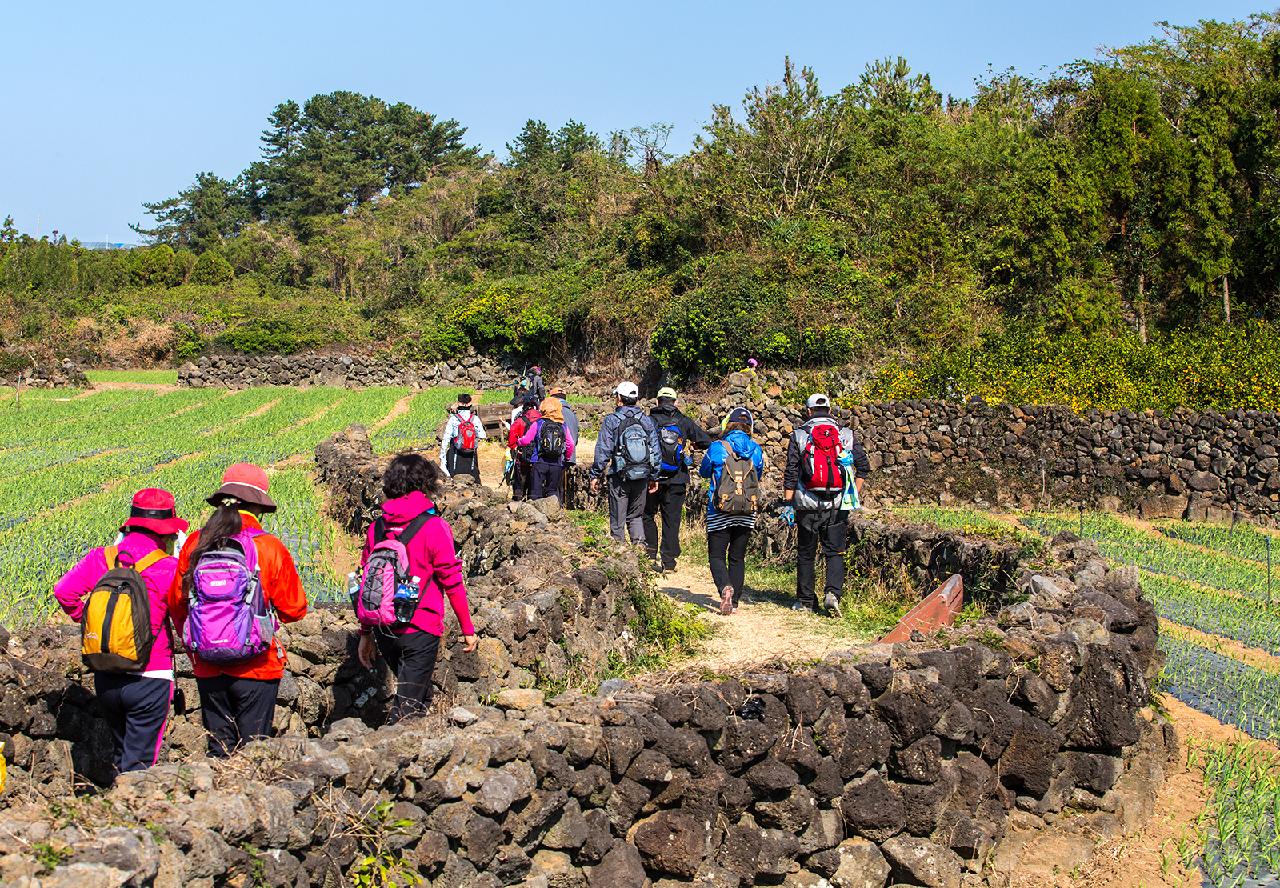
point(548, 467)
point(136, 704)
point(409, 485)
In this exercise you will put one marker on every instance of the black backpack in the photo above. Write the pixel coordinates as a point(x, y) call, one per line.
point(632, 456)
point(551, 443)
point(671, 442)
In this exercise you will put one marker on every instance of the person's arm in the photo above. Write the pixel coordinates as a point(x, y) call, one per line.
point(696, 434)
point(711, 460)
point(757, 458)
point(481, 434)
point(283, 587)
point(791, 474)
point(79, 582)
point(514, 433)
point(530, 435)
point(861, 462)
point(570, 445)
point(605, 445)
point(446, 438)
point(447, 571)
point(178, 595)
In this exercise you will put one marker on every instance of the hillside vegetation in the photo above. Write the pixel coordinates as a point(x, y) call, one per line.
point(1106, 235)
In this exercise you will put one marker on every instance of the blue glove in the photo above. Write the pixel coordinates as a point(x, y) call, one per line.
point(788, 515)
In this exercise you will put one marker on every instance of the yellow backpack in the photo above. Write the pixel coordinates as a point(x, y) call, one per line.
point(115, 628)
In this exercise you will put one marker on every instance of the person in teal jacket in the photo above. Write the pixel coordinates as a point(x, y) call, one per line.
point(728, 535)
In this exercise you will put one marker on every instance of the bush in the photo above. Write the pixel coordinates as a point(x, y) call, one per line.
point(212, 269)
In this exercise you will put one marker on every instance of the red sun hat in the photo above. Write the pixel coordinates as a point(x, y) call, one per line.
point(247, 483)
point(154, 509)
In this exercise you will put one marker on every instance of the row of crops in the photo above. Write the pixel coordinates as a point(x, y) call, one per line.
point(69, 465)
point(1217, 581)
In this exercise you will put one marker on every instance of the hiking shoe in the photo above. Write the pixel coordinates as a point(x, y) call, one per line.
point(832, 604)
point(726, 601)
point(803, 607)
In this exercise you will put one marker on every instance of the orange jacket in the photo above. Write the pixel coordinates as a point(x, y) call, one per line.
point(281, 587)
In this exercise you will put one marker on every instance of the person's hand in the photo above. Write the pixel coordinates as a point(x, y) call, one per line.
point(788, 515)
point(468, 644)
point(367, 651)
point(653, 486)
point(595, 485)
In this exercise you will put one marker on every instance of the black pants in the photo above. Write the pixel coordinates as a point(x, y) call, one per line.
point(521, 480)
point(727, 555)
point(412, 658)
point(832, 530)
point(137, 710)
point(462, 463)
point(236, 710)
point(667, 504)
point(626, 508)
point(546, 481)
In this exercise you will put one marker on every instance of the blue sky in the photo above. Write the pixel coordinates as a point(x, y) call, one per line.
point(110, 104)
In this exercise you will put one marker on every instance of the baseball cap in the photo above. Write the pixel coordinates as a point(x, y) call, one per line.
point(667, 392)
point(742, 415)
point(817, 400)
point(627, 390)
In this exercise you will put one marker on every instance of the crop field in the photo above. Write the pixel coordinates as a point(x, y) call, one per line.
point(1213, 588)
point(69, 464)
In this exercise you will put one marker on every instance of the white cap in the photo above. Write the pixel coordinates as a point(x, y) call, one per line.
point(627, 390)
point(818, 400)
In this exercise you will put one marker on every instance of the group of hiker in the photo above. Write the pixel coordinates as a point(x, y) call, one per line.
point(224, 593)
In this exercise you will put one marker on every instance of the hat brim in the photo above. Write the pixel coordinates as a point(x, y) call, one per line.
point(246, 493)
point(162, 526)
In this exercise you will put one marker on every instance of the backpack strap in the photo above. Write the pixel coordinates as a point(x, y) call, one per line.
point(112, 555)
point(379, 530)
point(155, 556)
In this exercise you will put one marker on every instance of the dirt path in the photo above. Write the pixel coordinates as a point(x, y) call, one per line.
point(398, 409)
point(762, 631)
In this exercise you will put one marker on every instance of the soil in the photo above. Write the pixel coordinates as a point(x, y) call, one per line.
point(398, 409)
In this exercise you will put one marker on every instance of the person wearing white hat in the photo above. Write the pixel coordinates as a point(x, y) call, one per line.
point(677, 435)
point(628, 456)
point(821, 455)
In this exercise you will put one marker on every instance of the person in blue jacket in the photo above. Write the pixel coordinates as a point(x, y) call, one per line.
point(728, 535)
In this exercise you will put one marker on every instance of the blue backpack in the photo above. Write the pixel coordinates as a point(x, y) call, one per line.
point(671, 441)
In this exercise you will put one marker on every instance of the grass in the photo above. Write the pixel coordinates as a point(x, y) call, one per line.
point(1237, 833)
point(148, 377)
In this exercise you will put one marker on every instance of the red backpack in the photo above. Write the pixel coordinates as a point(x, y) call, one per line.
point(466, 437)
point(820, 469)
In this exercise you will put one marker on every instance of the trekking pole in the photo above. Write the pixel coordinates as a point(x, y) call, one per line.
point(1081, 522)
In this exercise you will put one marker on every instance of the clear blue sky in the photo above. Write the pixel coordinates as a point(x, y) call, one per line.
point(109, 104)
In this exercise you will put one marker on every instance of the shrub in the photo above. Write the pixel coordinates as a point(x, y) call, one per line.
point(212, 269)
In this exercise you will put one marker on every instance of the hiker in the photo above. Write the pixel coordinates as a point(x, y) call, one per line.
point(460, 442)
point(407, 635)
point(537, 387)
point(735, 465)
point(234, 586)
point(552, 445)
point(118, 595)
point(819, 493)
point(521, 454)
point(628, 456)
point(570, 417)
point(677, 433)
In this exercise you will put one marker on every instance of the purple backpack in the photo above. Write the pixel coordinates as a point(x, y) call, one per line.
point(229, 619)
point(386, 569)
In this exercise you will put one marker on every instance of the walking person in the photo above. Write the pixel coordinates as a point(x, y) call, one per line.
point(627, 457)
point(553, 446)
point(677, 435)
point(735, 465)
point(234, 586)
point(521, 454)
point(460, 441)
point(119, 595)
point(537, 387)
point(411, 643)
point(570, 417)
point(821, 456)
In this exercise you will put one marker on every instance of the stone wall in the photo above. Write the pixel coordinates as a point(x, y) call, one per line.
point(907, 763)
point(66, 374)
point(241, 371)
point(1181, 464)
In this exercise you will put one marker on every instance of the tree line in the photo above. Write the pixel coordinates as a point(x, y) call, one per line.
point(1130, 196)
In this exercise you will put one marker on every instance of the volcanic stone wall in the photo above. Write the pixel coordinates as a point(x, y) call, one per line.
point(906, 764)
point(1182, 464)
point(67, 374)
point(241, 371)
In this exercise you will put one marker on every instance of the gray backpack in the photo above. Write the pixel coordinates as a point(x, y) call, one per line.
point(632, 457)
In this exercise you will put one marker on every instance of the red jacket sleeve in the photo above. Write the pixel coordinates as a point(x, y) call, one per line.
point(281, 584)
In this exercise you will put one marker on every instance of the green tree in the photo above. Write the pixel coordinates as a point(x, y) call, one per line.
point(201, 217)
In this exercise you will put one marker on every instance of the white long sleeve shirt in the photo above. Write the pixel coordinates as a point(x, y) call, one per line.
point(451, 432)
